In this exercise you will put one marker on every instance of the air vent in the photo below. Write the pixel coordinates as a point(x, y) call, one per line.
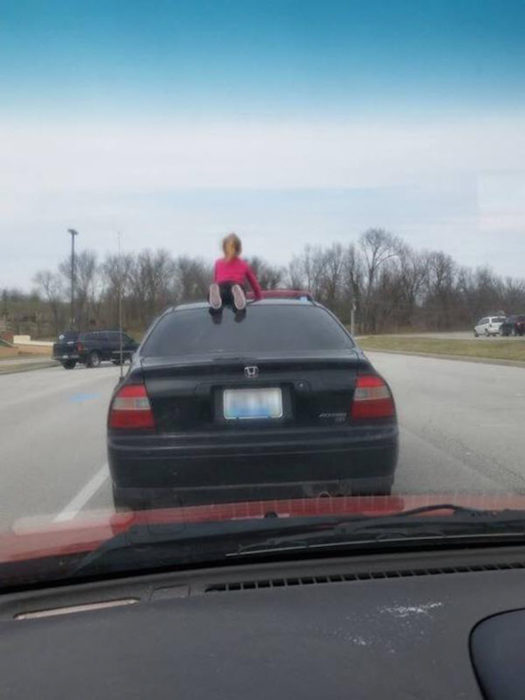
point(231, 586)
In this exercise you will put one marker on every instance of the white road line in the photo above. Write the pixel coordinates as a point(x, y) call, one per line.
point(76, 504)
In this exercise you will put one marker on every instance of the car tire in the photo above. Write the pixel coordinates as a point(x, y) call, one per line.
point(476, 334)
point(94, 359)
point(69, 364)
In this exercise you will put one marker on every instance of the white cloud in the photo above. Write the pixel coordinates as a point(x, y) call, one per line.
point(120, 158)
point(437, 184)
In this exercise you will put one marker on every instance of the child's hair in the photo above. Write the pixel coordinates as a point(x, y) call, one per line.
point(231, 246)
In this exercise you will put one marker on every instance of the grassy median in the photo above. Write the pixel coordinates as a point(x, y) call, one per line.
point(479, 348)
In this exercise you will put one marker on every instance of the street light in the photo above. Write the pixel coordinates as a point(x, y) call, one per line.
point(72, 311)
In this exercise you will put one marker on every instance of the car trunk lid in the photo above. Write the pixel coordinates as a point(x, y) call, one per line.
point(188, 393)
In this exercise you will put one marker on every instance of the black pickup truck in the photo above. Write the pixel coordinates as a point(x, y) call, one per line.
point(92, 348)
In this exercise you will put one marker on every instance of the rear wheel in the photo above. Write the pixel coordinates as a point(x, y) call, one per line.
point(69, 364)
point(94, 359)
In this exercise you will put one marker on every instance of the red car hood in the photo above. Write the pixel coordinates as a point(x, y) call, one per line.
point(35, 538)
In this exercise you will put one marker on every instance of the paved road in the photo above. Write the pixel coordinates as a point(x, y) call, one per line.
point(462, 429)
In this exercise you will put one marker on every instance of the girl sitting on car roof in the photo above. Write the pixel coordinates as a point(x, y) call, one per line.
point(230, 276)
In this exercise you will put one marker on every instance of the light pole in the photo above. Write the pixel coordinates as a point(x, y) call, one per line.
point(121, 356)
point(72, 311)
point(352, 317)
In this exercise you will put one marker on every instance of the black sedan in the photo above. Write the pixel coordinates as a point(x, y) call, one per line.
point(276, 402)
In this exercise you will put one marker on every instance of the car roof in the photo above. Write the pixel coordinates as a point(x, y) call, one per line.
point(261, 302)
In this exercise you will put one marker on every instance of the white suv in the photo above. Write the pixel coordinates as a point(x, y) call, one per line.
point(490, 325)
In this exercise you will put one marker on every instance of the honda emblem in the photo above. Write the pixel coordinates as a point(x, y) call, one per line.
point(251, 372)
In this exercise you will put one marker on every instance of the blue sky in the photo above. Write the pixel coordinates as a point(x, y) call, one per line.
point(293, 121)
point(281, 57)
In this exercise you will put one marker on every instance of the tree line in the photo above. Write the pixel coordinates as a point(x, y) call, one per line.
point(391, 286)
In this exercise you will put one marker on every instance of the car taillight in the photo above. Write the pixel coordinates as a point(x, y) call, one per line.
point(80, 347)
point(131, 409)
point(372, 398)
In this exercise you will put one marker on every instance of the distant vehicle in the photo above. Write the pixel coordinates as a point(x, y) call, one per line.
point(488, 325)
point(513, 325)
point(281, 401)
point(92, 348)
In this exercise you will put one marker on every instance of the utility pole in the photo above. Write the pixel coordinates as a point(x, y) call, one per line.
point(352, 317)
point(120, 307)
point(72, 311)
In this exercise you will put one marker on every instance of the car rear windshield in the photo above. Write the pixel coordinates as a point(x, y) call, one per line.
point(262, 329)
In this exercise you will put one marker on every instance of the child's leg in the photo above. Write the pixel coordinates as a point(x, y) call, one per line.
point(239, 297)
point(226, 293)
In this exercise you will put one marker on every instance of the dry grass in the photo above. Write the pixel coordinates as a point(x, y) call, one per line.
point(494, 349)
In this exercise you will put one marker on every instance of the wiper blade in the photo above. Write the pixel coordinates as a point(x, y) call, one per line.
point(152, 545)
point(405, 525)
point(160, 545)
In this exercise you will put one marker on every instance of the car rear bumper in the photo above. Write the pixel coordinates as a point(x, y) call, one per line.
point(289, 462)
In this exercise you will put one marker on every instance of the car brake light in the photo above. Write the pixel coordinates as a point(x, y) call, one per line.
point(372, 398)
point(131, 408)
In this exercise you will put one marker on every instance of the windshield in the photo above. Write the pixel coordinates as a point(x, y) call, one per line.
point(261, 271)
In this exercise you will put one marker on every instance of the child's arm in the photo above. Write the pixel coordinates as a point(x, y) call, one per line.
point(254, 284)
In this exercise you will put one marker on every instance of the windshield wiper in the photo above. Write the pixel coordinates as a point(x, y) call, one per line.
point(463, 523)
point(162, 545)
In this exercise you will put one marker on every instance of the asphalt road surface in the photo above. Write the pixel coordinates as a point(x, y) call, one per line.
point(462, 429)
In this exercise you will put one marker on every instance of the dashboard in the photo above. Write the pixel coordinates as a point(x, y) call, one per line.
point(382, 626)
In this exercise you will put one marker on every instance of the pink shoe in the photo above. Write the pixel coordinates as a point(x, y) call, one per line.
point(215, 297)
point(239, 297)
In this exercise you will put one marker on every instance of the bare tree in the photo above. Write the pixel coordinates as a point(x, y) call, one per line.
point(50, 285)
point(269, 276)
point(193, 277)
point(378, 247)
point(152, 278)
point(308, 269)
point(392, 285)
point(115, 273)
point(332, 275)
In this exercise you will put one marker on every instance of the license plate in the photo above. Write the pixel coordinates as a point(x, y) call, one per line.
point(246, 404)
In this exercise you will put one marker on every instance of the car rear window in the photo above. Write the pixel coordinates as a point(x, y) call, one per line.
point(262, 329)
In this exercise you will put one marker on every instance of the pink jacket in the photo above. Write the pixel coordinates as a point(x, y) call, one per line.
point(236, 271)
